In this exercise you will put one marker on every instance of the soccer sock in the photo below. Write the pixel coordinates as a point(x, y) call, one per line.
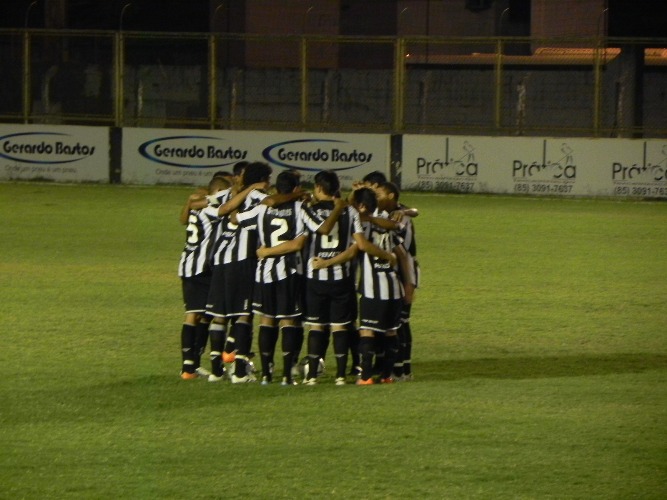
point(391, 349)
point(298, 343)
point(201, 338)
point(340, 346)
point(379, 353)
point(317, 340)
point(353, 340)
point(407, 349)
point(267, 339)
point(242, 332)
point(367, 352)
point(188, 347)
point(217, 336)
point(290, 343)
point(398, 362)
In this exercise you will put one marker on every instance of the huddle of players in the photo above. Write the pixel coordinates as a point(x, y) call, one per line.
point(288, 259)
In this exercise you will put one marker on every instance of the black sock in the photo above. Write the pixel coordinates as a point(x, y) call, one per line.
point(407, 348)
point(188, 347)
point(242, 332)
point(353, 340)
point(400, 354)
point(217, 337)
point(267, 339)
point(340, 347)
point(201, 339)
point(391, 348)
point(367, 352)
point(290, 344)
point(379, 353)
point(317, 341)
point(298, 344)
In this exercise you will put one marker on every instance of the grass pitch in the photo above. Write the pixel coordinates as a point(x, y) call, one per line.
point(540, 360)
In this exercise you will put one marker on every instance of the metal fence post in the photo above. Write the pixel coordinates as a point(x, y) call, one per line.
point(212, 77)
point(27, 91)
point(399, 83)
point(304, 83)
point(119, 63)
point(597, 90)
point(498, 101)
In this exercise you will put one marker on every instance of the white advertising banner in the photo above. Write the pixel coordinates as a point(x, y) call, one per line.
point(54, 153)
point(166, 156)
point(535, 166)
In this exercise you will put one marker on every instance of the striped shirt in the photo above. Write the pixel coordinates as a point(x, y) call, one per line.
point(194, 258)
point(328, 246)
point(377, 278)
point(232, 242)
point(275, 225)
point(407, 233)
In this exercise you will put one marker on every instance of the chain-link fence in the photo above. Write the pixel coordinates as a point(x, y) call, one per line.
point(496, 86)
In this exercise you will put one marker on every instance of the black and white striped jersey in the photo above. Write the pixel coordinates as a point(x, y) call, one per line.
point(336, 242)
point(407, 233)
point(378, 279)
point(232, 242)
point(200, 226)
point(275, 225)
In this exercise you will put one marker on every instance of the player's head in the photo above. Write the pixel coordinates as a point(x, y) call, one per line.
point(374, 179)
point(387, 195)
point(218, 183)
point(256, 172)
point(238, 170)
point(286, 182)
point(364, 200)
point(327, 183)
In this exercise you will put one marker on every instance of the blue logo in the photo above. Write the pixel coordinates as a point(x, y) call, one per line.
point(46, 148)
point(312, 155)
point(191, 151)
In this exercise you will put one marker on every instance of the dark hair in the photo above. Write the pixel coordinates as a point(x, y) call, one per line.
point(286, 182)
point(391, 188)
point(366, 197)
point(240, 167)
point(376, 177)
point(223, 174)
point(218, 183)
point(256, 172)
point(328, 182)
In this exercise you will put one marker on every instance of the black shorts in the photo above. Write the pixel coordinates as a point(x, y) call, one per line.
point(279, 299)
point(330, 302)
point(379, 315)
point(239, 285)
point(215, 304)
point(195, 293)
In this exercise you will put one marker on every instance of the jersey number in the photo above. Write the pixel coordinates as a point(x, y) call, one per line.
point(280, 229)
point(330, 241)
point(192, 230)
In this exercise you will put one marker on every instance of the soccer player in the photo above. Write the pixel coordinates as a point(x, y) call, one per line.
point(335, 235)
point(239, 260)
point(195, 274)
point(215, 301)
point(381, 291)
point(277, 281)
point(388, 200)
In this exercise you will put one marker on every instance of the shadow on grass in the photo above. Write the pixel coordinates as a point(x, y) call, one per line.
point(539, 367)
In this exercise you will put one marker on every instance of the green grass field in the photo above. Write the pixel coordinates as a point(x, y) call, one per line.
point(540, 361)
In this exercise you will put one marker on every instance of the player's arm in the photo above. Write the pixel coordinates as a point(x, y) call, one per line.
point(406, 273)
point(397, 215)
point(372, 249)
point(276, 199)
point(284, 248)
point(237, 200)
point(330, 222)
point(345, 256)
point(195, 201)
point(383, 222)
